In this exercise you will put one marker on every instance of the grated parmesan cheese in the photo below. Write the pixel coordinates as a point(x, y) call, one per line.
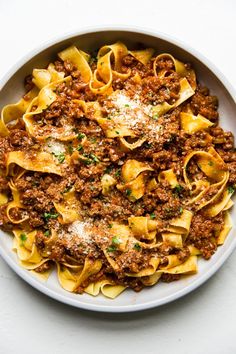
point(81, 230)
point(134, 114)
point(54, 147)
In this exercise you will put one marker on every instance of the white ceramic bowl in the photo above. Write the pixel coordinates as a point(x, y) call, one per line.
point(90, 39)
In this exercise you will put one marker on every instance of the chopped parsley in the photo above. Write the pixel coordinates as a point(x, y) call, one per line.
point(110, 226)
point(23, 238)
point(108, 169)
point(70, 149)
point(155, 116)
point(116, 240)
point(181, 210)
point(126, 105)
point(87, 161)
point(117, 132)
point(152, 216)
point(66, 190)
point(147, 145)
point(211, 163)
point(137, 247)
point(93, 140)
point(80, 148)
point(50, 216)
point(231, 189)
point(94, 158)
point(117, 173)
point(111, 249)
point(128, 192)
point(80, 135)
point(47, 233)
point(90, 159)
point(178, 189)
point(60, 156)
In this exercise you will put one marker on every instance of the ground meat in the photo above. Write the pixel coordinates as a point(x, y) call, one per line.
point(20, 139)
point(44, 267)
point(232, 170)
point(204, 104)
point(28, 83)
point(35, 219)
point(167, 278)
point(4, 186)
point(203, 231)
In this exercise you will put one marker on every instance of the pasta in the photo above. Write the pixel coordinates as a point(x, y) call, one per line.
point(114, 171)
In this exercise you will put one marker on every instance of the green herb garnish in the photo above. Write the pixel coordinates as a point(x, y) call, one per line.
point(210, 163)
point(116, 240)
point(93, 140)
point(94, 158)
point(80, 148)
point(66, 190)
point(152, 216)
point(137, 247)
point(50, 216)
point(230, 189)
point(108, 169)
point(80, 135)
point(181, 210)
point(60, 156)
point(178, 189)
point(70, 149)
point(117, 173)
point(47, 233)
point(111, 249)
point(155, 116)
point(23, 238)
point(128, 192)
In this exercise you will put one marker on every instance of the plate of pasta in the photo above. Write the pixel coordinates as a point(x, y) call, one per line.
point(118, 170)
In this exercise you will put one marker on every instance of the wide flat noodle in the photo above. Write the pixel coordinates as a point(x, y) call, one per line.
point(143, 56)
point(24, 245)
point(45, 98)
point(70, 280)
point(168, 176)
point(104, 68)
point(192, 124)
point(150, 270)
point(186, 91)
point(181, 224)
point(69, 209)
point(80, 61)
point(143, 227)
point(189, 266)
point(38, 161)
point(13, 112)
point(15, 204)
point(216, 171)
point(106, 287)
point(133, 175)
point(179, 67)
point(43, 77)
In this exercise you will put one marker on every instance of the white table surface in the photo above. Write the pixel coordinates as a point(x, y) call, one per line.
point(201, 322)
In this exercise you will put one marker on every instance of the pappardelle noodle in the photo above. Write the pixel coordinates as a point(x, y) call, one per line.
point(114, 171)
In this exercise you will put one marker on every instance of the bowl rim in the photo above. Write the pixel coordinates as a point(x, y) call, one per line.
point(205, 276)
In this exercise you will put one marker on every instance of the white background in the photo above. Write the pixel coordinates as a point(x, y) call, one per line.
point(202, 322)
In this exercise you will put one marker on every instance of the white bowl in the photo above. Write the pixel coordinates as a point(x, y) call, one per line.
point(90, 39)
